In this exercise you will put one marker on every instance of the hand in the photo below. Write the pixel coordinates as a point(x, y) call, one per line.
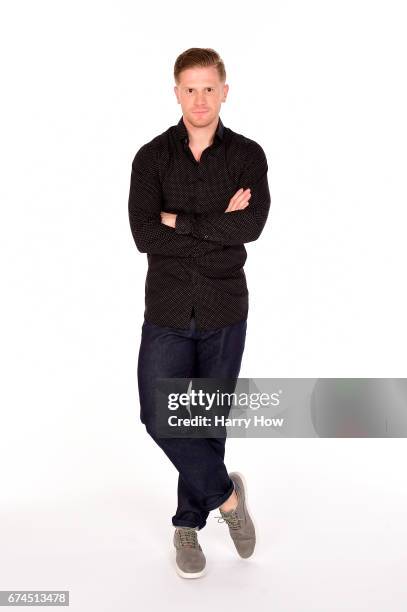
point(168, 218)
point(240, 200)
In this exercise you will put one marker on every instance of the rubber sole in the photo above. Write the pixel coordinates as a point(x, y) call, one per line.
point(189, 574)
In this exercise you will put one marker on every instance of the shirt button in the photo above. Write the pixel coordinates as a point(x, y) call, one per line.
point(206, 235)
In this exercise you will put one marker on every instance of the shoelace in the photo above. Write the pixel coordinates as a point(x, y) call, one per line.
point(231, 519)
point(188, 537)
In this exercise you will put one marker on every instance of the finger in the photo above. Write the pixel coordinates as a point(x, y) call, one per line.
point(242, 206)
point(238, 194)
point(236, 202)
point(241, 193)
point(237, 206)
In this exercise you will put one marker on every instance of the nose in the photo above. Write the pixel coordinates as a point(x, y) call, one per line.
point(200, 98)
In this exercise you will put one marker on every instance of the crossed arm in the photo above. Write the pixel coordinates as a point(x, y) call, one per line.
point(238, 226)
point(145, 197)
point(194, 234)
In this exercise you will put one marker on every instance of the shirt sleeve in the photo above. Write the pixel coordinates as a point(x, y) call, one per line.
point(238, 226)
point(144, 207)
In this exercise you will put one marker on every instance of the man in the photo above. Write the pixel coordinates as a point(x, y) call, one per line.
point(198, 192)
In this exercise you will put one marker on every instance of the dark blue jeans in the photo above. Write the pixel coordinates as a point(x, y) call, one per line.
point(166, 352)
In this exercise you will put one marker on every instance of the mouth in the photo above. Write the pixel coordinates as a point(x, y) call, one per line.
point(200, 112)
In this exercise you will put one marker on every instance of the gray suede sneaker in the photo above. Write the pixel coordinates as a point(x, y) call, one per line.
point(189, 559)
point(241, 527)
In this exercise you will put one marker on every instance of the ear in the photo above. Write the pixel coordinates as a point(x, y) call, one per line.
point(225, 92)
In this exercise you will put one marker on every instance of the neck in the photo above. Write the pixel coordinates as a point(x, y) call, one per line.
point(201, 136)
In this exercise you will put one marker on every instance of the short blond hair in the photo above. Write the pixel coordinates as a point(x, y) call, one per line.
point(198, 57)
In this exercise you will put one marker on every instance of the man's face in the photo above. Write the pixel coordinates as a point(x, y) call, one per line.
point(200, 93)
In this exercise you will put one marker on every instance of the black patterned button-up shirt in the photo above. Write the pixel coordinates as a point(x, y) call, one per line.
point(197, 267)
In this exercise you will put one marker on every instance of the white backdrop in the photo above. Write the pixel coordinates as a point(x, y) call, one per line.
point(86, 496)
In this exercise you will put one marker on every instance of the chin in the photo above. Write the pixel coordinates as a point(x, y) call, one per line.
point(199, 119)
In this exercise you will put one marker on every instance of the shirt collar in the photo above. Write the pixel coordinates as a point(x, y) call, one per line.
point(182, 132)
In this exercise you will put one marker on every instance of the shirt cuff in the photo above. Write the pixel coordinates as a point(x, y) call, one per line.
point(183, 223)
